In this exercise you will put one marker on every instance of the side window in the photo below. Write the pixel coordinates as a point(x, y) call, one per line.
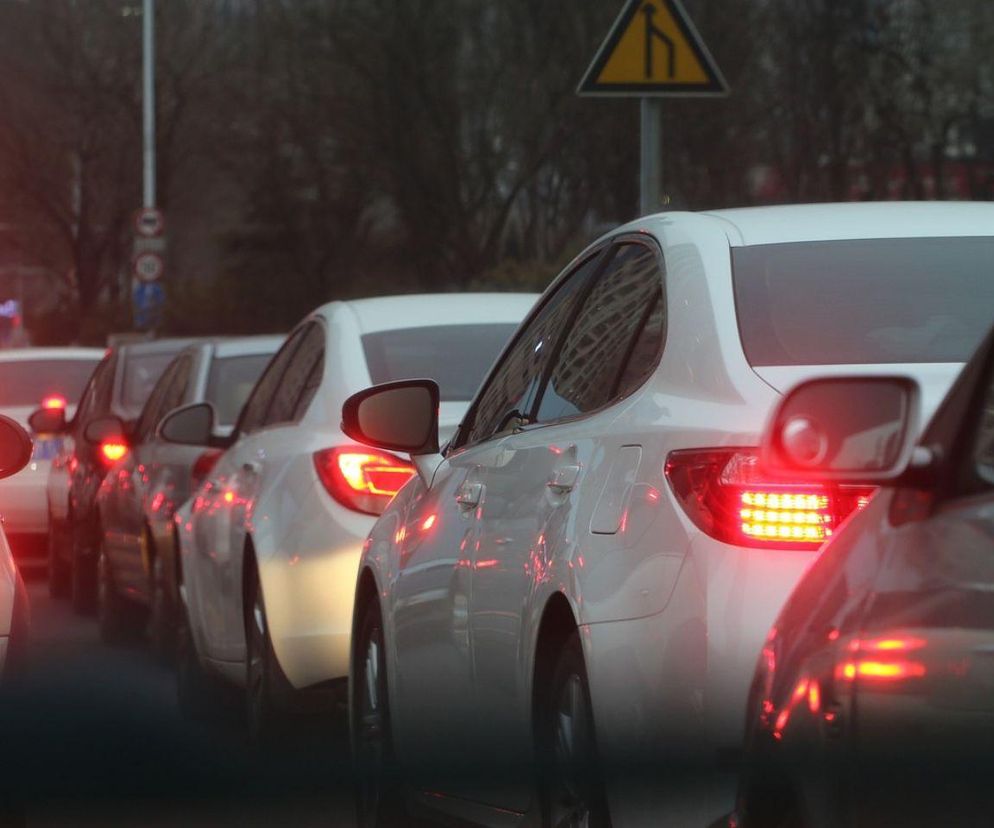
point(295, 378)
point(105, 387)
point(983, 452)
point(254, 414)
point(88, 401)
point(615, 340)
point(310, 387)
point(153, 410)
point(510, 394)
point(176, 390)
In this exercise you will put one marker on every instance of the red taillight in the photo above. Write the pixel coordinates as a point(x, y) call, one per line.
point(726, 497)
point(113, 450)
point(361, 478)
point(202, 467)
point(54, 401)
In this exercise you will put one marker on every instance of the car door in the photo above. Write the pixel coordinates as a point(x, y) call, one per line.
point(437, 711)
point(219, 512)
point(546, 480)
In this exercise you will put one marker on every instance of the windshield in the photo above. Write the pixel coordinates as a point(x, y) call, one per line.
point(28, 382)
point(864, 302)
point(141, 372)
point(230, 383)
point(455, 356)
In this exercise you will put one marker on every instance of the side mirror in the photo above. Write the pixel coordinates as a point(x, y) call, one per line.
point(853, 429)
point(397, 416)
point(189, 425)
point(104, 429)
point(48, 420)
point(15, 447)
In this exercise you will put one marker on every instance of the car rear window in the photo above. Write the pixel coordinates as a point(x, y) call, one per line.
point(231, 381)
point(141, 372)
point(455, 356)
point(864, 302)
point(28, 382)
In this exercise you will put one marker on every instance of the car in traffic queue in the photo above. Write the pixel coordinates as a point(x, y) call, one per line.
point(120, 386)
point(15, 453)
point(136, 567)
point(32, 377)
point(583, 579)
point(872, 699)
point(270, 543)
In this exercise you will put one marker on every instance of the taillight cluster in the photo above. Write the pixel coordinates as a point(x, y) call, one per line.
point(362, 479)
point(113, 450)
point(724, 494)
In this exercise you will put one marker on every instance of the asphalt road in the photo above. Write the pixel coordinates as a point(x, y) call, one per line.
point(92, 735)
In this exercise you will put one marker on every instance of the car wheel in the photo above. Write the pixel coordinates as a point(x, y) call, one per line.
point(379, 793)
point(58, 572)
point(572, 791)
point(196, 692)
point(267, 689)
point(162, 616)
point(117, 618)
point(83, 573)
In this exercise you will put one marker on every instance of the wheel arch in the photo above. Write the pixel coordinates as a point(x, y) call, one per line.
point(557, 623)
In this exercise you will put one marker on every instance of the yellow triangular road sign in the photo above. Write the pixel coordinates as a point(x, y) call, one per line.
point(653, 49)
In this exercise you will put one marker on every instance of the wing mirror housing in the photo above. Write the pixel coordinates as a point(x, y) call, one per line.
point(104, 429)
point(48, 421)
point(189, 425)
point(844, 429)
point(396, 416)
point(15, 447)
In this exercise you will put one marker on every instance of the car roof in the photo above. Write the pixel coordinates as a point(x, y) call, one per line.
point(48, 354)
point(247, 345)
point(426, 310)
point(156, 346)
point(856, 220)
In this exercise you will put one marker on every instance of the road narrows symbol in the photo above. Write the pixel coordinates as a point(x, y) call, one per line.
point(653, 32)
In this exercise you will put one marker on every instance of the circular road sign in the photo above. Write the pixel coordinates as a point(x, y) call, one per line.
point(149, 267)
point(149, 222)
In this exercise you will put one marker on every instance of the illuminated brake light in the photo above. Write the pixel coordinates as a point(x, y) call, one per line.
point(53, 402)
point(361, 478)
point(113, 450)
point(724, 494)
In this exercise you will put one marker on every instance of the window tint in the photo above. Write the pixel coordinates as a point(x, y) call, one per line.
point(153, 410)
point(310, 388)
point(457, 357)
point(254, 413)
point(593, 357)
point(646, 349)
point(141, 372)
point(295, 376)
point(28, 382)
point(513, 386)
point(88, 402)
point(231, 381)
point(176, 390)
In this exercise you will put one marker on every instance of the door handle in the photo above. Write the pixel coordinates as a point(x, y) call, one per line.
point(469, 495)
point(564, 479)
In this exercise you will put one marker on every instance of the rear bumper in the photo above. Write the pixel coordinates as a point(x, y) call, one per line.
point(24, 499)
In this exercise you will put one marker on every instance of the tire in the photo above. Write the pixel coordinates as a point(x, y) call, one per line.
point(197, 693)
point(83, 572)
point(570, 781)
point(162, 623)
point(267, 690)
point(379, 788)
point(118, 619)
point(58, 571)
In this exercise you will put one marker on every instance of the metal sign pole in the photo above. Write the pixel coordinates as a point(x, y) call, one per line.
point(651, 166)
point(148, 100)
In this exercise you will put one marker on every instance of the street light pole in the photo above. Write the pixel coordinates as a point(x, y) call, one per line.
point(148, 101)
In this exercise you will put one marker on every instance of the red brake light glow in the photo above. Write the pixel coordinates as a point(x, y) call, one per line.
point(724, 494)
point(113, 450)
point(202, 466)
point(54, 401)
point(360, 478)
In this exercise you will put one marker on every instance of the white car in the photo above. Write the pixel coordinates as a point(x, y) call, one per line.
point(15, 452)
point(270, 543)
point(592, 565)
point(29, 378)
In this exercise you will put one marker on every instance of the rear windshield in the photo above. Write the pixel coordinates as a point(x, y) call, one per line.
point(864, 302)
point(455, 356)
point(230, 382)
point(28, 382)
point(141, 372)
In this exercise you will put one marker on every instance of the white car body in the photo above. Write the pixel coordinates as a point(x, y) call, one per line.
point(578, 513)
point(12, 597)
point(25, 495)
point(264, 498)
